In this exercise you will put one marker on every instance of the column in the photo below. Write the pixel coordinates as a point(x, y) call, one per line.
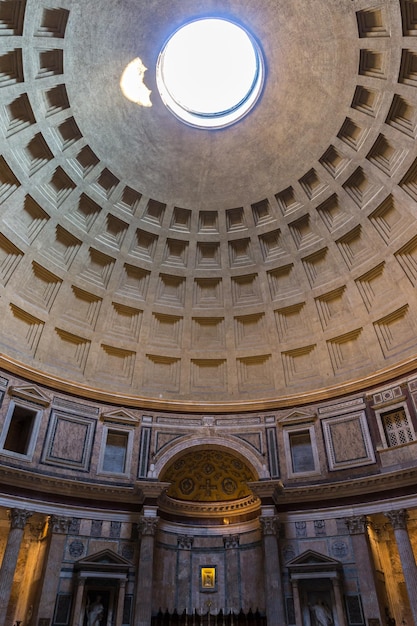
point(77, 615)
point(297, 603)
point(398, 521)
point(340, 612)
point(272, 572)
point(120, 602)
point(357, 526)
point(232, 595)
point(183, 596)
point(18, 519)
point(51, 569)
point(144, 579)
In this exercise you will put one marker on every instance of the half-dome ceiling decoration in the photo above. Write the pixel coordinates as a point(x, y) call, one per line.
point(208, 476)
point(165, 265)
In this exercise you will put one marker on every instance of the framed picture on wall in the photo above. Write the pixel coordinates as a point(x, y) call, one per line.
point(208, 578)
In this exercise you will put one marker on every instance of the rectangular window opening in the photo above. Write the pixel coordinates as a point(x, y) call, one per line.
point(20, 430)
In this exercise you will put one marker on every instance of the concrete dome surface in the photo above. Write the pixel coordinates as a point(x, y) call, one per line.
point(177, 266)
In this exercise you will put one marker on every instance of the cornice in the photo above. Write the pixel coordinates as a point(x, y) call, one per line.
point(77, 388)
point(209, 509)
point(41, 484)
point(349, 489)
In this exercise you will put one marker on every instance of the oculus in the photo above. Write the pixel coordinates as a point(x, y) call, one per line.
point(210, 73)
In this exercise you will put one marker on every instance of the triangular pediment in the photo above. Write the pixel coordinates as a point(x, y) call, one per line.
point(30, 393)
point(120, 416)
point(103, 561)
point(297, 417)
point(313, 561)
point(104, 557)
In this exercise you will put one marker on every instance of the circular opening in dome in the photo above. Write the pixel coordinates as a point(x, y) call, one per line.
point(210, 73)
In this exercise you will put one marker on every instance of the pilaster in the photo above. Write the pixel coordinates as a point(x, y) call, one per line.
point(148, 525)
point(272, 571)
point(184, 546)
point(231, 545)
point(56, 537)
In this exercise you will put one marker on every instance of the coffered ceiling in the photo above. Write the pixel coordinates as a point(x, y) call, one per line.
point(271, 261)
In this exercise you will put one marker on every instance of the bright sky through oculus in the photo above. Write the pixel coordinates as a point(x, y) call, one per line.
point(210, 72)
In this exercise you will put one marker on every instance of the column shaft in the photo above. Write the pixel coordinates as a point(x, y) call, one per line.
point(341, 619)
point(398, 520)
point(297, 603)
point(272, 572)
point(144, 582)
point(183, 596)
point(77, 617)
point(365, 567)
point(120, 603)
point(232, 599)
point(51, 570)
point(18, 521)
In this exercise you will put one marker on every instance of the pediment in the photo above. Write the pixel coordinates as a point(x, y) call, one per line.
point(30, 393)
point(120, 416)
point(313, 561)
point(103, 561)
point(297, 417)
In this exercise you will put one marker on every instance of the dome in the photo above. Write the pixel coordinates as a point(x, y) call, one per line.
point(268, 260)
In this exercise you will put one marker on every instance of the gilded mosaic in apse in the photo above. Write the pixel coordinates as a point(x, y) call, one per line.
point(208, 476)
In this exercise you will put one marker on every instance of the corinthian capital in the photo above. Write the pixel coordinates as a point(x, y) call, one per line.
point(18, 518)
point(231, 542)
point(148, 525)
point(269, 524)
point(59, 524)
point(398, 518)
point(185, 542)
point(357, 524)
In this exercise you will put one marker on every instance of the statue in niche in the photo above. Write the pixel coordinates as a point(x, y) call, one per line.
point(321, 613)
point(94, 611)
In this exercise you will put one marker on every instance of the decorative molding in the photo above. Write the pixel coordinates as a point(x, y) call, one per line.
point(77, 408)
point(209, 509)
point(386, 397)
point(340, 408)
